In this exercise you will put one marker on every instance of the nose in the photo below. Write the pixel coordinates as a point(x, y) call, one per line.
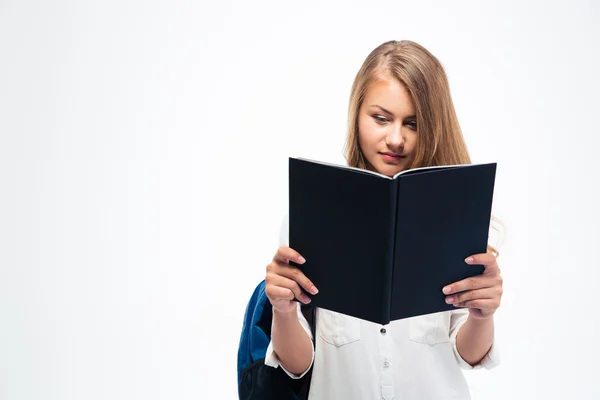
point(394, 138)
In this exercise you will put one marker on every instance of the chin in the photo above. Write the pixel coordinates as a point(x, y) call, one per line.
point(390, 170)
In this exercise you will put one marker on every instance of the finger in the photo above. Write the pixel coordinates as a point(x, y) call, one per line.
point(279, 287)
point(482, 304)
point(487, 293)
point(473, 283)
point(488, 260)
point(277, 293)
point(286, 254)
point(298, 276)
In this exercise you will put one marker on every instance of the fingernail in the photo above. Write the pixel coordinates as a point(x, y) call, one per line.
point(469, 260)
point(314, 290)
point(449, 300)
point(301, 260)
point(305, 299)
point(446, 289)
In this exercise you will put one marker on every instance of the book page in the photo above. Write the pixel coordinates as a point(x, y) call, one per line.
point(364, 171)
point(429, 169)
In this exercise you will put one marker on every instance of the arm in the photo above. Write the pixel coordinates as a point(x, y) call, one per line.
point(291, 342)
point(481, 295)
point(474, 339)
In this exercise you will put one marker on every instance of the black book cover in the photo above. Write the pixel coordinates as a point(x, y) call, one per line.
point(381, 248)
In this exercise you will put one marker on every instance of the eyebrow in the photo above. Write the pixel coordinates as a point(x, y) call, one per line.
point(389, 112)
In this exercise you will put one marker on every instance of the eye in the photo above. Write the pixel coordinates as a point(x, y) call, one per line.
point(380, 119)
point(412, 125)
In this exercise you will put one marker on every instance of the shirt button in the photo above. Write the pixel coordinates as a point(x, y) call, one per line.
point(386, 364)
point(383, 331)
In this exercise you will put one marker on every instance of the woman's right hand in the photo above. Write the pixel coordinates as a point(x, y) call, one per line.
point(284, 281)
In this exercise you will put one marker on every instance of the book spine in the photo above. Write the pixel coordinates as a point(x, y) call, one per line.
point(386, 300)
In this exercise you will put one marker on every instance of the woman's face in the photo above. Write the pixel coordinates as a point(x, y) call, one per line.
point(387, 127)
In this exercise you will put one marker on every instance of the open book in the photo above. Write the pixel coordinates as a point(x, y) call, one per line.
point(381, 248)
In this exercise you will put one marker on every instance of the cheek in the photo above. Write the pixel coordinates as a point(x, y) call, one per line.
point(362, 134)
point(367, 134)
point(411, 140)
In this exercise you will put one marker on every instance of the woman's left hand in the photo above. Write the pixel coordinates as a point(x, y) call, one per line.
point(480, 294)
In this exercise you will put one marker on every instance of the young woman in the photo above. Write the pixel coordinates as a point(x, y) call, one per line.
point(401, 116)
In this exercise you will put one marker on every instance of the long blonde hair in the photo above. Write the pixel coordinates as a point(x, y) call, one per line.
point(440, 139)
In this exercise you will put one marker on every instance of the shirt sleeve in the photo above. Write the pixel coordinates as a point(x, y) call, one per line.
point(272, 360)
point(489, 361)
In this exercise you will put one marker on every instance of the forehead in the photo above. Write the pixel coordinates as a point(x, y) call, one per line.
point(391, 95)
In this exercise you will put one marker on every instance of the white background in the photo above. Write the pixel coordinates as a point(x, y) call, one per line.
point(143, 171)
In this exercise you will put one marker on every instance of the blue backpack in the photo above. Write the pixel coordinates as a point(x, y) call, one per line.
point(255, 379)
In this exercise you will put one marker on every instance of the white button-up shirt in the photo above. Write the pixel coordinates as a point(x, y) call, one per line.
point(408, 359)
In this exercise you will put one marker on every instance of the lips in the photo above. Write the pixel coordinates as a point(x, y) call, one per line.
point(392, 158)
point(393, 155)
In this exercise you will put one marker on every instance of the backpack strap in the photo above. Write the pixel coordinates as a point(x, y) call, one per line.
point(309, 313)
point(257, 381)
